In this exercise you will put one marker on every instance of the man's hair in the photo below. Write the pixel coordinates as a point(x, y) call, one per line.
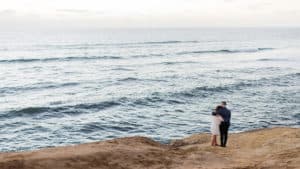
point(224, 103)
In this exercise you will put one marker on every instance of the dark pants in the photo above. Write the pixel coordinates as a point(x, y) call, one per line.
point(224, 126)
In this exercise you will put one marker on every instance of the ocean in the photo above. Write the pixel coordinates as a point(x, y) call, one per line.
point(69, 87)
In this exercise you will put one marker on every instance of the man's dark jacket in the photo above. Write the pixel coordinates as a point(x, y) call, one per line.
point(225, 113)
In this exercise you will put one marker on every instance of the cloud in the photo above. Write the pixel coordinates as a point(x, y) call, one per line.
point(7, 12)
point(84, 12)
point(73, 10)
point(259, 6)
point(145, 13)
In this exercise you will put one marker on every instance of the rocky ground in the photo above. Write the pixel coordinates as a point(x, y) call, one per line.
point(259, 149)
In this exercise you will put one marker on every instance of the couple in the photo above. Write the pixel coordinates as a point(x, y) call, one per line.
point(220, 124)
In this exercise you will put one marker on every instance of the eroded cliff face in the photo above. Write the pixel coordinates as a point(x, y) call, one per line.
point(265, 148)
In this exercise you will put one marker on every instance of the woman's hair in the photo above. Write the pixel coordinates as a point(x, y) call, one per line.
point(215, 112)
point(218, 108)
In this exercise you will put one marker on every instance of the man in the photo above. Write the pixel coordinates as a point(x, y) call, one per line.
point(224, 126)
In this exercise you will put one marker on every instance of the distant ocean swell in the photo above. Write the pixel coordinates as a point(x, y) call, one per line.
point(92, 45)
point(176, 97)
point(224, 51)
point(97, 45)
point(53, 59)
point(80, 58)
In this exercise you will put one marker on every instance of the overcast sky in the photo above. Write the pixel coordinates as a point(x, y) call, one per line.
point(148, 13)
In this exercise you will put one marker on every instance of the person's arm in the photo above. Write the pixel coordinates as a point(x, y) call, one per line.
point(220, 118)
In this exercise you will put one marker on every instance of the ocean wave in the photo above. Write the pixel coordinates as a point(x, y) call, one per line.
point(206, 91)
point(63, 110)
point(154, 99)
point(91, 45)
point(127, 79)
point(203, 91)
point(225, 51)
point(169, 42)
point(97, 126)
point(49, 85)
point(59, 110)
point(178, 62)
point(143, 56)
point(133, 79)
point(121, 69)
point(73, 58)
point(58, 59)
point(10, 90)
point(271, 59)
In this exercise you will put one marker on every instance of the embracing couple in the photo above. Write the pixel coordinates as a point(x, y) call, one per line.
point(220, 124)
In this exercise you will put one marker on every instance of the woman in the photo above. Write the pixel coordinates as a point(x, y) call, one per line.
point(215, 130)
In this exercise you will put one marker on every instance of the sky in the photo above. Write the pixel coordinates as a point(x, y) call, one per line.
point(62, 14)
